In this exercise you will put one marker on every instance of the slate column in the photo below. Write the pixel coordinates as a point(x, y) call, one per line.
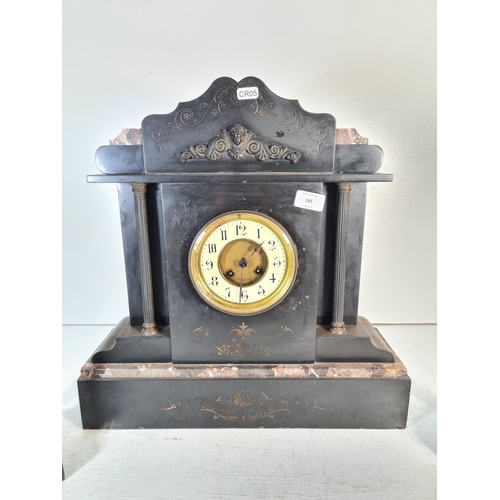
point(141, 217)
point(344, 194)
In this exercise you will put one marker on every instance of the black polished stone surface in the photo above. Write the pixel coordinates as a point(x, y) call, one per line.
point(199, 333)
point(274, 120)
point(213, 155)
point(129, 159)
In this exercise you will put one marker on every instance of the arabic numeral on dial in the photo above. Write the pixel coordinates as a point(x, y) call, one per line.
point(244, 295)
point(272, 278)
point(271, 244)
point(261, 291)
point(223, 234)
point(215, 281)
point(258, 233)
point(228, 292)
point(209, 264)
point(277, 262)
point(241, 230)
point(212, 247)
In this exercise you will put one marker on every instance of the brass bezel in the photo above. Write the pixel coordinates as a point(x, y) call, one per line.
point(233, 308)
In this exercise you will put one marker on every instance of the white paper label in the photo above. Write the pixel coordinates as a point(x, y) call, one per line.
point(247, 93)
point(311, 201)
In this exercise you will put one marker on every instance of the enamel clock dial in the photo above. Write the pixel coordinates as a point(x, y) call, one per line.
point(243, 263)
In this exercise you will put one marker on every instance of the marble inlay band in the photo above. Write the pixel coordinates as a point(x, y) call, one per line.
point(317, 371)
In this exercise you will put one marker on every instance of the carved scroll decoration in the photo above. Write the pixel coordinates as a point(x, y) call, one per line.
point(238, 142)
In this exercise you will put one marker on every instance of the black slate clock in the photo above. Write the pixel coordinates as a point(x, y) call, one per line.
point(242, 221)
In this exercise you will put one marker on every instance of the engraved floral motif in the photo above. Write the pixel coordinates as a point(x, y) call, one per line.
point(242, 330)
point(242, 406)
point(242, 399)
point(234, 100)
point(243, 341)
point(224, 93)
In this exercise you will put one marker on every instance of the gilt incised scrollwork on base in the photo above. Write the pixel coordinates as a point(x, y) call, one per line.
point(243, 341)
point(242, 406)
point(238, 142)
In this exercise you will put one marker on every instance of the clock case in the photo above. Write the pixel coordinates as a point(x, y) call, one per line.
point(310, 361)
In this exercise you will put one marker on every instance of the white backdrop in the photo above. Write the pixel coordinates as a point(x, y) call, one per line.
point(372, 64)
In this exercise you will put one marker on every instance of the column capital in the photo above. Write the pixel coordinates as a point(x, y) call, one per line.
point(139, 187)
point(344, 187)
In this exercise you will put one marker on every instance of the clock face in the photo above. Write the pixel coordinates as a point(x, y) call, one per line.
point(243, 263)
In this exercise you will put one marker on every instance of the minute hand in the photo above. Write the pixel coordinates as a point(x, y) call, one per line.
point(241, 283)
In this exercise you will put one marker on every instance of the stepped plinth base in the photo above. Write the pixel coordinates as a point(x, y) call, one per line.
point(364, 395)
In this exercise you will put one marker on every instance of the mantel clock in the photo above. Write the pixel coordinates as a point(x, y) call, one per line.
point(242, 220)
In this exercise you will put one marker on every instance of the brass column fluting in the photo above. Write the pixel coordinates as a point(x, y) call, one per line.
point(344, 194)
point(141, 217)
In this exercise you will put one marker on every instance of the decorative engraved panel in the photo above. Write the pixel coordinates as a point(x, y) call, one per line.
point(241, 405)
point(242, 340)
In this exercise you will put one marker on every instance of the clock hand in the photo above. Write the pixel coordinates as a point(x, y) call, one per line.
point(241, 283)
point(256, 249)
point(244, 263)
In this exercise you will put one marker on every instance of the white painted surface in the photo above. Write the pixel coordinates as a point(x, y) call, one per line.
point(370, 64)
point(255, 464)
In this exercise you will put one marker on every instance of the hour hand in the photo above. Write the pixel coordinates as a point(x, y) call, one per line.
point(255, 250)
